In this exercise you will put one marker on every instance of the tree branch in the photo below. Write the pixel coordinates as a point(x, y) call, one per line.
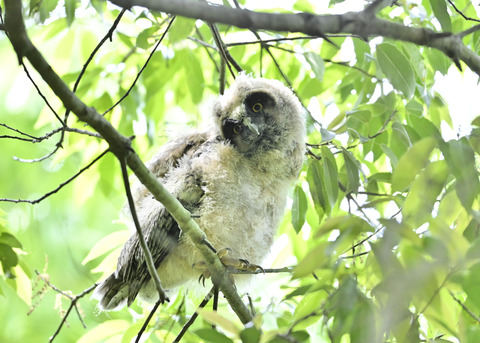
point(63, 184)
point(121, 147)
point(362, 23)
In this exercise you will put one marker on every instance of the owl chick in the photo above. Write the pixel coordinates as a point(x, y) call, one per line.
point(233, 177)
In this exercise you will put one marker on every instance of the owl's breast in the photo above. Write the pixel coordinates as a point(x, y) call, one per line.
point(242, 205)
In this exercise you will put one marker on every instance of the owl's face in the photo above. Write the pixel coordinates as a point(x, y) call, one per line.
point(258, 115)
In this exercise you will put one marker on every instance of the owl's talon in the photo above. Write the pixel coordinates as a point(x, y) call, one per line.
point(229, 262)
point(237, 263)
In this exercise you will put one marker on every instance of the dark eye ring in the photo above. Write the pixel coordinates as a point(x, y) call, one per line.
point(237, 129)
point(257, 107)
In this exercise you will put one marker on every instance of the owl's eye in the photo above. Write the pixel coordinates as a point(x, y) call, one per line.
point(237, 129)
point(257, 107)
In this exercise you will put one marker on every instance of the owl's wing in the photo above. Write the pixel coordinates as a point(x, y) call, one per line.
point(161, 231)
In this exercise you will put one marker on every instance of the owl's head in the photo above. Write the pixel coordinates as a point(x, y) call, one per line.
point(257, 114)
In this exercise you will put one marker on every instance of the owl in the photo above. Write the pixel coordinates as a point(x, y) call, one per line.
point(234, 177)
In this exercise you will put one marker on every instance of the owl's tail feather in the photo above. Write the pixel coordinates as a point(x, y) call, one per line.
point(112, 294)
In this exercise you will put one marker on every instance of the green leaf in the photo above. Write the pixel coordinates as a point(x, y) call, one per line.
point(107, 329)
point(329, 165)
point(9, 239)
point(397, 68)
point(70, 7)
point(131, 332)
point(8, 259)
point(423, 193)
point(411, 163)
point(460, 158)
point(438, 111)
point(439, 8)
point(399, 139)
point(322, 180)
point(349, 227)
point(476, 121)
point(336, 121)
point(181, 28)
point(145, 38)
point(304, 6)
point(106, 244)
point(353, 168)
point(212, 335)
point(309, 304)
point(315, 258)
point(250, 335)
point(317, 64)
point(438, 60)
point(299, 208)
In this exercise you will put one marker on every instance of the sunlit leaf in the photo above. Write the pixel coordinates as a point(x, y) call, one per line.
point(309, 304)
point(476, 121)
point(304, 6)
point(106, 244)
point(212, 336)
point(353, 169)
point(299, 208)
point(397, 68)
point(317, 64)
point(107, 329)
point(315, 258)
point(24, 285)
point(213, 317)
point(439, 62)
point(439, 8)
point(322, 179)
point(411, 163)
point(70, 7)
point(461, 161)
point(424, 192)
point(336, 121)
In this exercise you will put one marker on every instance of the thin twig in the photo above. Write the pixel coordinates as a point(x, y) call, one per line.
point(41, 94)
point(17, 131)
point(470, 313)
point(73, 302)
point(109, 35)
point(143, 68)
point(141, 238)
point(33, 139)
point(63, 184)
point(144, 326)
point(261, 271)
point(225, 55)
point(203, 43)
point(461, 13)
point(40, 159)
point(193, 317)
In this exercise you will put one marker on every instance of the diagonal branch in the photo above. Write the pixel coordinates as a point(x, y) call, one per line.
point(363, 24)
point(121, 147)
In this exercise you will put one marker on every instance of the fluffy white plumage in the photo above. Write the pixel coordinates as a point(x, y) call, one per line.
point(234, 177)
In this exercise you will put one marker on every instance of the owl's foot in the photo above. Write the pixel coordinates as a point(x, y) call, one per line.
point(228, 261)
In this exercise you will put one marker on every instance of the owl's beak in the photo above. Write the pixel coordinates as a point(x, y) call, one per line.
point(248, 123)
